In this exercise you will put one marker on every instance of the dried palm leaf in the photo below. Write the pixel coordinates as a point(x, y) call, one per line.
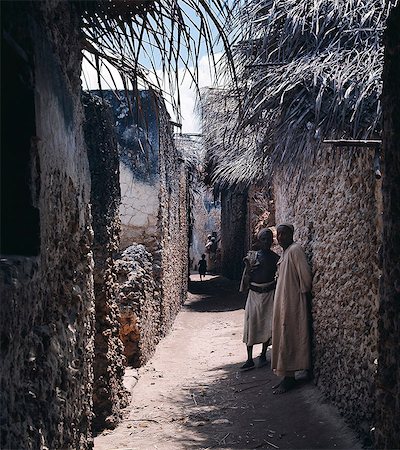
point(306, 71)
point(137, 36)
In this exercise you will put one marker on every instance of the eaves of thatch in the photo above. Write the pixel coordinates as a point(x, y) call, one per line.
point(308, 71)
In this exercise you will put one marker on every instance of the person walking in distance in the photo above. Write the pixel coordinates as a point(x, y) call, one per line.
point(259, 278)
point(290, 328)
point(202, 266)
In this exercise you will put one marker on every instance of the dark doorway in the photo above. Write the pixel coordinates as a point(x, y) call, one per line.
point(20, 226)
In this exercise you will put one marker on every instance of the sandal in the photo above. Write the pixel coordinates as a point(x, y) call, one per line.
point(248, 365)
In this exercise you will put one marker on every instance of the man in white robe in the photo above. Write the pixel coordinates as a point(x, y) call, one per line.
point(291, 349)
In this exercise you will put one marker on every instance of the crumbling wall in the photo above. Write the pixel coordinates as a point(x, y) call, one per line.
point(139, 302)
point(137, 134)
point(334, 208)
point(153, 270)
point(139, 210)
point(47, 308)
point(388, 379)
point(109, 395)
point(234, 239)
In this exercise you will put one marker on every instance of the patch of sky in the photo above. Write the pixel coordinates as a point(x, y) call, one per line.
point(176, 74)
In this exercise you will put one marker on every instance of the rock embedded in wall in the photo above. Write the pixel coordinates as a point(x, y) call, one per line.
point(109, 395)
point(139, 304)
point(47, 307)
point(336, 218)
point(153, 266)
point(173, 225)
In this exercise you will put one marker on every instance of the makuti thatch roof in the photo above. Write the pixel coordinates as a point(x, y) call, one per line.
point(138, 37)
point(307, 71)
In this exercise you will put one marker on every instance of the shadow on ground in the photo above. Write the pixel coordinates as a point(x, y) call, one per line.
point(239, 411)
point(215, 294)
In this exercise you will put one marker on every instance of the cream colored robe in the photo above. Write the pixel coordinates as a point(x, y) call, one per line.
point(258, 316)
point(290, 328)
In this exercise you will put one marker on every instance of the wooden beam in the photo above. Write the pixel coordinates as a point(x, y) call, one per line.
point(354, 143)
point(175, 124)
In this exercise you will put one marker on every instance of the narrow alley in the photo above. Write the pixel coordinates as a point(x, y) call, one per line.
point(193, 395)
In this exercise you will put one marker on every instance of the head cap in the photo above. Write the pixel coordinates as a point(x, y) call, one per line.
point(287, 225)
point(264, 235)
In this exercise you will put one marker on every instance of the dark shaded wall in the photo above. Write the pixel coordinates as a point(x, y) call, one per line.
point(335, 206)
point(387, 423)
point(234, 239)
point(109, 395)
point(47, 302)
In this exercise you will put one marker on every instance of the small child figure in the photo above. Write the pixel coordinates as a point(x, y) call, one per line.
point(202, 266)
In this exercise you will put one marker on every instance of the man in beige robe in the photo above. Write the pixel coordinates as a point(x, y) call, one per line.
point(290, 328)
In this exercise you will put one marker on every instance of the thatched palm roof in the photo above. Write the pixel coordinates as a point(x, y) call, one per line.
point(308, 71)
point(138, 37)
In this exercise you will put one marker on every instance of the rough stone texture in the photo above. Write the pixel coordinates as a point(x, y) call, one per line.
point(153, 272)
point(388, 380)
point(109, 395)
point(234, 236)
point(47, 302)
point(260, 212)
point(335, 213)
point(173, 224)
point(140, 304)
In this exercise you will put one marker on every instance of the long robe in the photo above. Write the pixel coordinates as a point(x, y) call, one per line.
point(258, 316)
point(290, 328)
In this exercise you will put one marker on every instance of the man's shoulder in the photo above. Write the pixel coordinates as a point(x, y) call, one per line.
point(295, 248)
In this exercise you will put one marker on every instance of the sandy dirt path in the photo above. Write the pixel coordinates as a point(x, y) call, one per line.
point(193, 395)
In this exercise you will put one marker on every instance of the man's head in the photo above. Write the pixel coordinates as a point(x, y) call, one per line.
point(265, 238)
point(284, 234)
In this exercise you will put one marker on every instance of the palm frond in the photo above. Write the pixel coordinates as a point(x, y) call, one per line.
point(138, 36)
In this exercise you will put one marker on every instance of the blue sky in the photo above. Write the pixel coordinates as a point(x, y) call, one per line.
point(187, 90)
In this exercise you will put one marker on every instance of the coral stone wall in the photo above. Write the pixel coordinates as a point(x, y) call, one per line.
point(335, 213)
point(47, 302)
point(234, 232)
point(173, 225)
point(388, 386)
point(153, 271)
point(140, 304)
point(109, 395)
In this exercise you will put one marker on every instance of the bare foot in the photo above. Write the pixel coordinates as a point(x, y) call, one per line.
point(285, 385)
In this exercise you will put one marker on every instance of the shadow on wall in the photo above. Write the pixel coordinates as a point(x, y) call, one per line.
point(229, 298)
